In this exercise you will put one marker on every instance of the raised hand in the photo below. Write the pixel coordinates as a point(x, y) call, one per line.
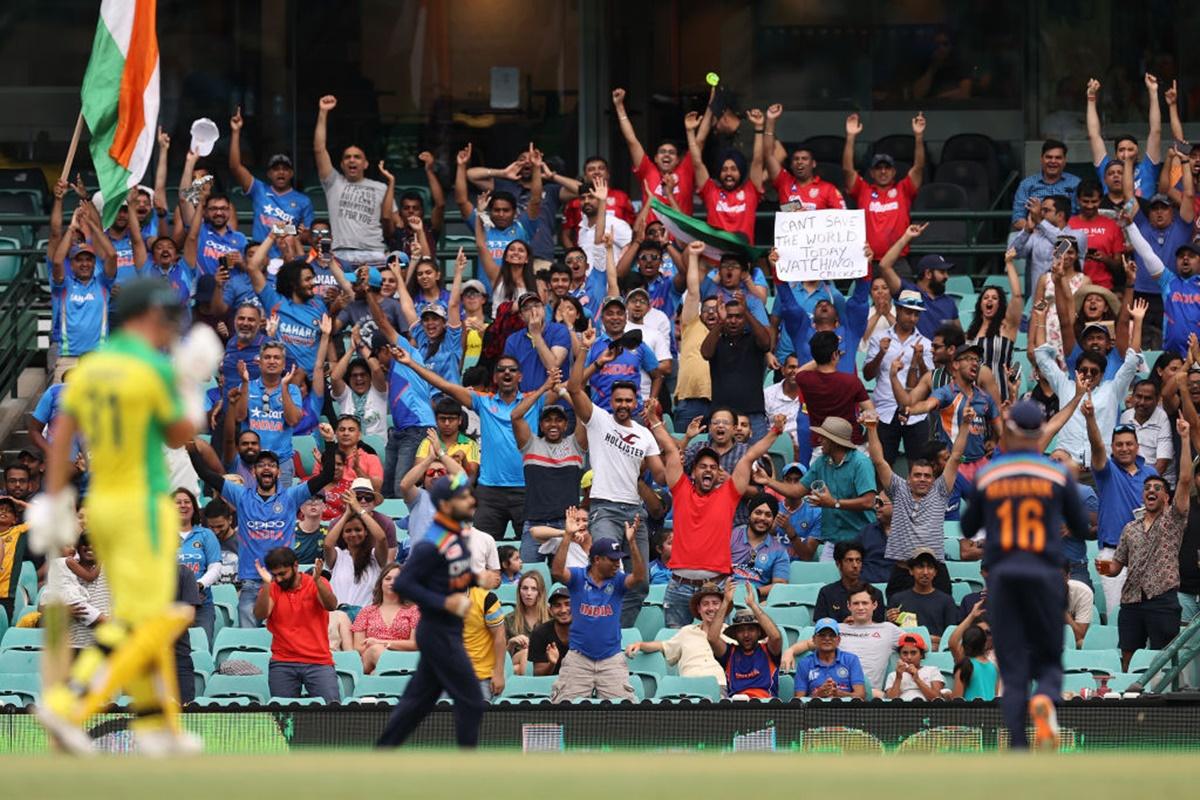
point(1172, 94)
point(1093, 88)
point(387, 176)
point(774, 111)
point(482, 200)
point(897, 365)
point(697, 247)
point(318, 567)
point(588, 338)
point(164, 141)
point(631, 530)
point(401, 356)
point(1151, 83)
point(326, 325)
point(1086, 406)
point(918, 124)
point(755, 115)
point(885, 344)
point(1139, 308)
point(618, 97)
point(326, 431)
point(1010, 255)
point(779, 422)
point(691, 122)
point(751, 595)
point(854, 125)
point(272, 325)
point(600, 190)
point(915, 230)
point(235, 122)
point(244, 373)
point(327, 103)
point(1183, 428)
point(464, 156)
point(426, 159)
point(695, 427)
point(263, 575)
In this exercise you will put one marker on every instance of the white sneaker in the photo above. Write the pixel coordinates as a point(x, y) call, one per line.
point(66, 736)
point(161, 742)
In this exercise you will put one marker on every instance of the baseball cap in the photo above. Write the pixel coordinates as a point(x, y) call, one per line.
point(706, 451)
point(911, 640)
point(524, 297)
point(83, 247)
point(280, 159)
point(964, 349)
point(609, 548)
point(795, 465)
point(827, 624)
point(474, 285)
point(1160, 199)
point(553, 408)
point(557, 593)
point(396, 255)
point(933, 261)
point(448, 487)
point(1191, 247)
point(1026, 417)
point(1102, 326)
point(922, 554)
point(637, 290)
point(374, 278)
point(436, 309)
point(911, 299)
point(608, 301)
point(882, 158)
point(142, 294)
point(269, 455)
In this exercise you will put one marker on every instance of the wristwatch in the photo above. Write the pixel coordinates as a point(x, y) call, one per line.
point(837, 503)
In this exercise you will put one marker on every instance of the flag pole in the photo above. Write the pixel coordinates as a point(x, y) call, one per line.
point(66, 170)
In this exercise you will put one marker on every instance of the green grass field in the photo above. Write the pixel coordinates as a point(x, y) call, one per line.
point(584, 776)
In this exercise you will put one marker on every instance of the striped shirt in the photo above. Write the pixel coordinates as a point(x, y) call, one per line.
point(916, 522)
point(552, 473)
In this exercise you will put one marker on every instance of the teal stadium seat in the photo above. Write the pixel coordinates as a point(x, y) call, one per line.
point(674, 687)
point(1104, 662)
point(1100, 637)
point(26, 685)
point(792, 594)
point(818, 572)
point(19, 662)
point(398, 662)
point(231, 640)
point(22, 639)
point(528, 687)
point(249, 687)
point(381, 686)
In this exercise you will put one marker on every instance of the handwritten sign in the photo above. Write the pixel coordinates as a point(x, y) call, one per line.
point(820, 245)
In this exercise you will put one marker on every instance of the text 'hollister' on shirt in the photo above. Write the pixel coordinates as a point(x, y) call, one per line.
point(617, 453)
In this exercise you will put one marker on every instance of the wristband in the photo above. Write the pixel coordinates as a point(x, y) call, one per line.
point(758, 130)
point(777, 431)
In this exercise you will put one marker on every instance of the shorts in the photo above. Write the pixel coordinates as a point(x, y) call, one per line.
point(135, 537)
point(579, 676)
point(1155, 621)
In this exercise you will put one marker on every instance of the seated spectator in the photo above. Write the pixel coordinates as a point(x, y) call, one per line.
point(310, 530)
point(752, 666)
point(975, 675)
point(531, 611)
point(873, 642)
point(388, 623)
point(453, 440)
point(659, 571)
point(1051, 179)
point(272, 406)
point(688, 651)
point(1080, 605)
point(550, 642)
point(834, 599)
point(356, 550)
point(876, 567)
point(484, 640)
point(828, 671)
point(510, 564)
point(923, 604)
point(300, 654)
point(911, 680)
point(596, 662)
point(757, 557)
point(13, 543)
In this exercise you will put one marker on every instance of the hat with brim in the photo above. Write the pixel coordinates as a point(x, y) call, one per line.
point(611, 300)
point(280, 160)
point(1026, 418)
point(638, 291)
point(1114, 305)
point(744, 618)
point(553, 408)
point(707, 589)
point(558, 594)
point(526, 297)
point(1159, 199)
point(83, 248)
point(365, 485)
point(475, 286)
point(795, 466)
point(912, 640)
point(434, 309)
point(836, 430)
point(967, 349)
point(1103, 326)
point(827, 624)
point(911, 300)
point(1188, 247)
point(922, 554)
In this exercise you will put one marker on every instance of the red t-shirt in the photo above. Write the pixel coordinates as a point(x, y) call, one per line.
point(299, 624)
point(648, 172)
point(814, 196)
point(887, 212)
point(1104, 235)
point(703, 525)
point(618, 202)
point(831, 394)
point(731, 211)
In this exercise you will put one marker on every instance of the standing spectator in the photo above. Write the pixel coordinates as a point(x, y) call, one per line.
point(296, 609)
point(356, 551)
point(1050, 180)
point(731, 203)
point(799, 181)
point(758, 558)
point(416, 484)
point(218, 243)
point(271, 406)
point(737, 361)
point(412, 207)
point(437, 331)
point(518, 179)
point(552, 463)
point(840, 483)
point(245, 344)
point(276, 202)
point(834, 598)
point(885, 201)
point(911, 680)
point(1145, 176)
point(657, 333)
point(542, 346)
point(828, 671)
point(617, 203)
point(923, 604)
point(551, 641)
point(704, 505)
point(595, 661)
point(995, 326)
point(360, 387)
point(693, 385)
point(1045, 224)
point(619, 449)
point(484, 640)
point(829, 392)
point(904, 342)
point(388, 623)
point(81, 295)
point(265, 514)
point(1106, 244)
point(599, 228)
point(619, 357)
point(12, 551)
point(200, 554)
point(932, 274)
point(722, 423)
point(873, 642)
point(670, 177)
point(361, 211)
point(299, 309)
point(785, 398)
point(1153, 428)
point(752, 667)
point(357, 313)
point(1178, 292)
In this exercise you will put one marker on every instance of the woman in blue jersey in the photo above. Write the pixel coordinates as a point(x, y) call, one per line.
point(200, 552)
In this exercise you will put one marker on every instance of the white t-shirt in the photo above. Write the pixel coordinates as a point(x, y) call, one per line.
point(776, 402)
point(622, 235)
point(908, 687)
point(1080, 601)
point(374, 412)
point(874, 645)
point(884, 398)
point(616, 454)
point(658, 344)
point(355, 212)
point(484, 555)
point(576, 555)
point(341, 579)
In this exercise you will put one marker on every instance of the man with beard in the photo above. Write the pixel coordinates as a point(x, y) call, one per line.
point(1038, 239)
point(704, 505)
point(615, 357)
point(731, 200)
point(219, 244)
point(667, 161)
point(1179, 290)
point(276, 202)
point(1051, 179)
point(1106, 244)
point(120, 234)
point(618, 201)
point(271, 406)
point(901, 342)
point(693, 385)
point(437, 576)
point(599, 227)
point(294, 300)
point(166, 264)
point(266, 513)
point(244, 346)
point(656, 329)
point(737, 362)
point(518, 180)
point(799, 181)
point(758, 558)
point(550, 641)
point(932, 273)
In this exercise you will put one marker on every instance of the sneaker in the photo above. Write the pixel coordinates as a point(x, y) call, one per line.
point(160, 742)
point(65, 735)
point(1045, 723)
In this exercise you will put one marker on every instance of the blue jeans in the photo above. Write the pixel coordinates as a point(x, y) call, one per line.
point(530, 545)
point(758, 427)
point(689, 409)
point(246, 597)
point(206, 618)
point(399, 457)
point(677, 603)
point(606, 520)
point(287, 472)
point(287, 678)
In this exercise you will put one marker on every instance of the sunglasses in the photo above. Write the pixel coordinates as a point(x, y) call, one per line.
point(1089, 373)
point(1124, 428)
point(369, 498)
point(435, 473)
point(502, 370)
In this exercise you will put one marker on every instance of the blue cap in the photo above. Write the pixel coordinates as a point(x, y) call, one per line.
point(609, 548)
point(933, 261)
point(447, 487)
point(827, 624)
point(1026, 417)
point(795, 465)
point(374, 278)
point(397, 255)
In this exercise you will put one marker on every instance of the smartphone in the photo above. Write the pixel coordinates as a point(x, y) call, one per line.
point(326, 247)
point(1061, 249)
point(289, 230)
point(1184, 147)
point(1014, 373)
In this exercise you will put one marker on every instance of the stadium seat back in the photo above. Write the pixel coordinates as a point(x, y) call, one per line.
point(198, 639)
point(230, 640)
point(19, 662)
point(22, 639)
point(1100, 637)
point(1107, 662)
point(398, 662)
point(506, 593)
point(26, 685)
point(391, 686)
point(655, 594)
point(674, 687)
point(649, 621)
point(528, 687)
point(819, 572)
point(251, 687)
point(792, 594)
point(942, 197)
point(971, 176)
point(1141, 660)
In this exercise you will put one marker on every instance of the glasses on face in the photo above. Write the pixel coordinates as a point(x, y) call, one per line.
point(503, 370)
point(364, 498)
point(1088, 372)
point(650, 257)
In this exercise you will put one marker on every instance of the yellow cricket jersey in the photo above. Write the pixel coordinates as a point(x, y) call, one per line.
point(465, 445)
point(486, 613)
point(12, 554)
point(123, 397)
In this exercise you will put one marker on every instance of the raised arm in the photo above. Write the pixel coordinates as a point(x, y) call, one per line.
point(240, 173)
point(461, 198)
point(460, 393)
point(1183, 489)
point(774, 637)
point(1154, 137)
point(1099, 455)
point(887, 264)
point(741, 470)
point(691, 303)
point(854, 127)
point(1095, 139)
point(575, 520)
point(387, 207)
point(520, 426)
point(715, 641)
point(960, 446)
point(320, 151)
point(916, 172)
point(883, 470)
point(490, 268)
point(774, 167)
point(437, 215)
point(1016, 299)
point(535, 183)
point(577, 383)
point(160, 175)
point(757, 168)
point(671, 459)
point(691, 124)
point(638, 575)
point(256, 266)
point(636, 152)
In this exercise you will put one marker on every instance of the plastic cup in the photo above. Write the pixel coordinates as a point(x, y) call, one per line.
point(204, 136)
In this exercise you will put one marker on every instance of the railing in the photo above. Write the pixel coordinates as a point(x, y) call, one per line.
point(18, 326)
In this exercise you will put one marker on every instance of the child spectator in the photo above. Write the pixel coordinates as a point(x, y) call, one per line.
point(975, 676)
point(510, 564)
point(911, 681)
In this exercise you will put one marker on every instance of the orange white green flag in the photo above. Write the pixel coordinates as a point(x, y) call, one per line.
point(120, 97)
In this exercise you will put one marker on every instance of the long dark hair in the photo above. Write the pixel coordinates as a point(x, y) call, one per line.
point(377, 595)
point(1160, 366)
point(195, 504)
point(362, 559)
point(414, 288)
point(974, 645)
point(993, 326)
point(506, 277)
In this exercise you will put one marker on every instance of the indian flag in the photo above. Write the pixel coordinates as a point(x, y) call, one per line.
point(685, 229)
point(120, 97)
